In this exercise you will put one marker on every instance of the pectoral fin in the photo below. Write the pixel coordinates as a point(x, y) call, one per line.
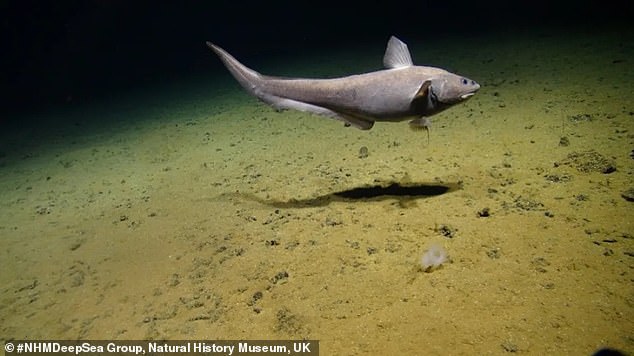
point(423, 91)
point(422, 102)
point(422, 98)
point(422, 123)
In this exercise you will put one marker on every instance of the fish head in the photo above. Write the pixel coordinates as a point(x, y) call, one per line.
point(451, 89)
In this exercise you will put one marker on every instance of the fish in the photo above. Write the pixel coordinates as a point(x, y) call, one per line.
point(402, 91)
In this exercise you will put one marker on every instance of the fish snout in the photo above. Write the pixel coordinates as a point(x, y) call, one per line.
point(474, 88)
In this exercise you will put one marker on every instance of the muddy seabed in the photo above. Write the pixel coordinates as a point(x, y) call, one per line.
point(198, 213)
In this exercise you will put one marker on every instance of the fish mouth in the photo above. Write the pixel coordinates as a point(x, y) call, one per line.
point(466, 96)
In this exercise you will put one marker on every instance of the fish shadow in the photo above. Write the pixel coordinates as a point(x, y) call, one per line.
point(405, 194)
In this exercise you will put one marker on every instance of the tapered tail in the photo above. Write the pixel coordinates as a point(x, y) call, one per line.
point(247, 77)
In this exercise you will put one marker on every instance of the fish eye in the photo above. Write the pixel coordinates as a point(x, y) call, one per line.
point(464, 81)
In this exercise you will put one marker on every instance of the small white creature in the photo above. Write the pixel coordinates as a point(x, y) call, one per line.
point(433, 258)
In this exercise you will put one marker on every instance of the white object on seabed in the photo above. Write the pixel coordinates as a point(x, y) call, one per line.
point(433, 258)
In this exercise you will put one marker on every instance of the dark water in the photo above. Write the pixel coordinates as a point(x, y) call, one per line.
point(63, 54)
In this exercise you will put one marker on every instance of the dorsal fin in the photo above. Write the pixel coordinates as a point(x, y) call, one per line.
point(397, 55)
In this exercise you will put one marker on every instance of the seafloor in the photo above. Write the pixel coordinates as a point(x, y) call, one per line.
point(191, 211)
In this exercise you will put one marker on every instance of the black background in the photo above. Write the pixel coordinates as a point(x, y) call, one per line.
point(57, 53)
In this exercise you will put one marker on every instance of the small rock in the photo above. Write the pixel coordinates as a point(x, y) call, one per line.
point(581, 117)
point(445, 230)
point(281, 276)
point(628, 194)
point(564, 141)
point(43, 210)
point(484, 213)
point(332, 221)
point(256, 296)
point(363, 152)
point(494, 253)
point(509, 346)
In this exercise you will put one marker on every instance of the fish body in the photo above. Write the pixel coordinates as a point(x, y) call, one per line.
point(402, 91)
